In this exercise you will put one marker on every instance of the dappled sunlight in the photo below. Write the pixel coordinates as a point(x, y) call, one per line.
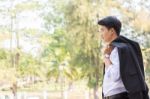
point(51, 49)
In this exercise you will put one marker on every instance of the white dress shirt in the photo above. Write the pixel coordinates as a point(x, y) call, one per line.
point(112, 83)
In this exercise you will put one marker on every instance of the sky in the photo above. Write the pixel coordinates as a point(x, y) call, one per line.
point(32, 19)
point(26, 19)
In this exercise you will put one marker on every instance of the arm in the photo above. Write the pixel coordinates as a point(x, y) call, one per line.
point(113, 65)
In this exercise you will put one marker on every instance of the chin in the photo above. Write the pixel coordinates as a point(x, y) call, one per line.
point(105, 41)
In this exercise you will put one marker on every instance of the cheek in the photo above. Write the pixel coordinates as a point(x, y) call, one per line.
point(101, 35)
point(105, 36)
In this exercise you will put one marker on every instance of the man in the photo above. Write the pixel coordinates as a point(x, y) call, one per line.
point(123, 64)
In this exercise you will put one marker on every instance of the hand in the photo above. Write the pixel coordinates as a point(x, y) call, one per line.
point(108, 49)
point(107, 62)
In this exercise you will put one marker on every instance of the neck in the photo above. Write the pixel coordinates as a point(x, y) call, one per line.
point(113, 38)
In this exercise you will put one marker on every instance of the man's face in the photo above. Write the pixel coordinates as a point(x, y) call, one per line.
point(105, 34)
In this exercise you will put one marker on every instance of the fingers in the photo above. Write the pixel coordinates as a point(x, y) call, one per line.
point(108, 50)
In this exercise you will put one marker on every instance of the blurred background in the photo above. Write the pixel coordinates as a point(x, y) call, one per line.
point(50, 49)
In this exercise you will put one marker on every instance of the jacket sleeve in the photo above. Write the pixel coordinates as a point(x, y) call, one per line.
point(140, 58)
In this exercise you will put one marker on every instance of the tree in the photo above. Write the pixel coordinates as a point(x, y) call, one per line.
point(81, 32)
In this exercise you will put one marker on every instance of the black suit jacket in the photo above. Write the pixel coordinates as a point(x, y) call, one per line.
point(131, 65)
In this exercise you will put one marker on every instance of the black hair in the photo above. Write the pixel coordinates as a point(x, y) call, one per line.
point(111, 22)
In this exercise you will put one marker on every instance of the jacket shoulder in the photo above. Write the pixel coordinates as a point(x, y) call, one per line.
point(120, 45)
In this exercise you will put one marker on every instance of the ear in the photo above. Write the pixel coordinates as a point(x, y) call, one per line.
point(112, 31)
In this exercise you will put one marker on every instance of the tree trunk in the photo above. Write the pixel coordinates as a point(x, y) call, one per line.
point(96, 87)
point(95, 91)
point(17, 45)
point(14, 90)
point(11, 36)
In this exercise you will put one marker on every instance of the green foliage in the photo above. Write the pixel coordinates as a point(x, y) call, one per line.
point(3, 54)
point(82, 34)
point(69, 37)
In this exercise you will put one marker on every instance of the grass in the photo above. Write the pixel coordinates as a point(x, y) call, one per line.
point(79, 91)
